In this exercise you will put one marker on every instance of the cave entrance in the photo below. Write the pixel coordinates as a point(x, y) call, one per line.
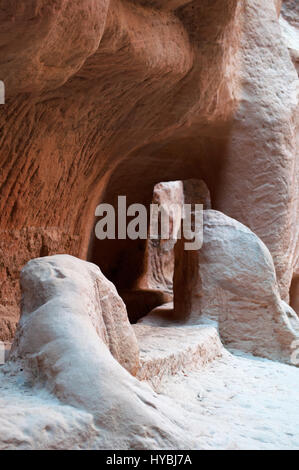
point(142, 270)
point(294, 294)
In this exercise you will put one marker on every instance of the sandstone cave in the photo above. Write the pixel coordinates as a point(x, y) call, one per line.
point(142, 344)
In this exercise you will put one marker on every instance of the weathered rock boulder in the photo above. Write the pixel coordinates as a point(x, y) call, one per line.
point(62, 367)
point(235, 286)
point(71, 288)
point(110, 97)
point(155, 285)
point(25, 243)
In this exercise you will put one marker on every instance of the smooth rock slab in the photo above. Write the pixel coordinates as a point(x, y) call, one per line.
point(166, 351)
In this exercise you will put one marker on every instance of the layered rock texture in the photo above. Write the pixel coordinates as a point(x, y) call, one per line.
point(65, 384)
point(112, 97)
point(108, 98)
point(63, 283)
point(159, 255)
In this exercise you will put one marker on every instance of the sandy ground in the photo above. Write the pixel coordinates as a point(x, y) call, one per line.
point(236, 402)
point(240, 402)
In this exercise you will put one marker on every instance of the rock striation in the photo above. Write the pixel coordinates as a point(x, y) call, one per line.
point(113, 97)
point(110, 98)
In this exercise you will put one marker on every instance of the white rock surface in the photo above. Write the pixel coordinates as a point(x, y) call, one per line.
point(259, 179)
point(63, 389)
point(240, 290)
point(62, 386)
point(168, 350)
point(235, 288)
point(65, 284)
point(239, 402)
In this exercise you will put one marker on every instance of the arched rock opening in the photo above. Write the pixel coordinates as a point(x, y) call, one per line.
point(142, 270)
point(191, 106)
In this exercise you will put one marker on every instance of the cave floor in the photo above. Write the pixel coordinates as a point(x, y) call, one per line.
point(168, 350)
point(239, 402)
point(227, 399)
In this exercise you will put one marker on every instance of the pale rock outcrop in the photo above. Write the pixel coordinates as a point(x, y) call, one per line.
point(289, 23)
point(62, 371)
point(111, 97)
point(169, 349)
point(235, 286)
point(33, 242)
point(64, 284)
point(155, 285)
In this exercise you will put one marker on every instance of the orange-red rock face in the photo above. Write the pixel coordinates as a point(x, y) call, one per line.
point(111, 97)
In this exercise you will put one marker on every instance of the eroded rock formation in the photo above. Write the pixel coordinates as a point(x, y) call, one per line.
point(234, 285)
point(108, 93)
point(72, 320)
point(159, 255)
point(154, 286)
point(186, 269)
point(110, 97)
point(63, 283)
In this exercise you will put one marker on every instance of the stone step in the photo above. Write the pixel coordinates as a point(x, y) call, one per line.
point(166, 351)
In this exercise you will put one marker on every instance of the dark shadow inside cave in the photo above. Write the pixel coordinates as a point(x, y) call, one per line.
point(294, 294)
point(142, 270)
point(136, 267)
